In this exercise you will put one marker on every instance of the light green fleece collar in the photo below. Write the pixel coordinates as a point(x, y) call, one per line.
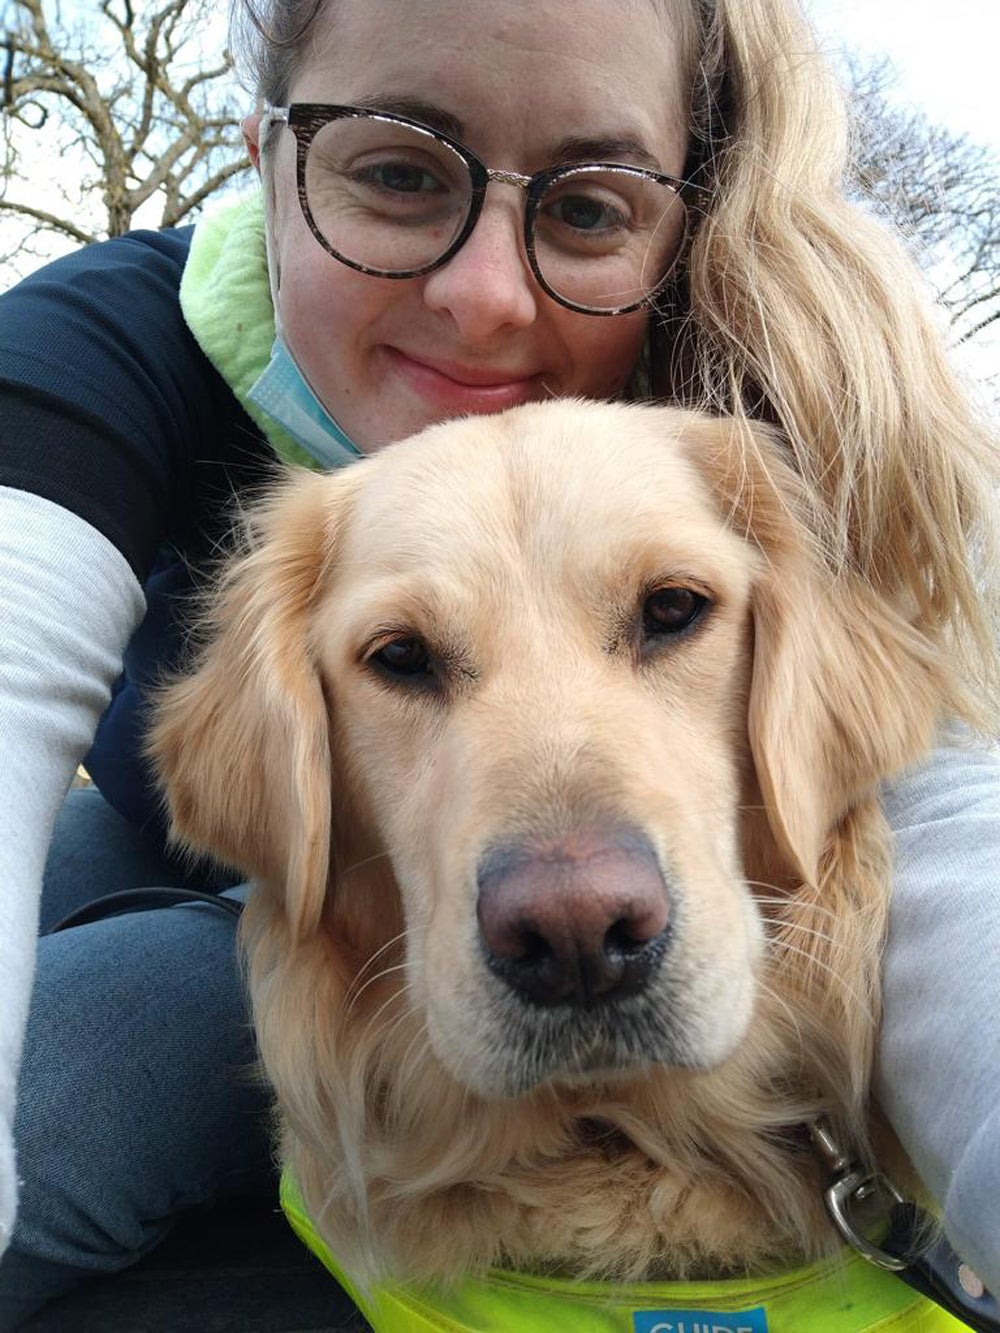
point(845, 1295)
point(225, 299)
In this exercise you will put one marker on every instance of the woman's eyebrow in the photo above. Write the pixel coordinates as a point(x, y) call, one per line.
point(574, 148)
point(427, 113)
point(606, 148)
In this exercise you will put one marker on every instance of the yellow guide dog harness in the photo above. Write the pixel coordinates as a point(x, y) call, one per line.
point(844, 1295)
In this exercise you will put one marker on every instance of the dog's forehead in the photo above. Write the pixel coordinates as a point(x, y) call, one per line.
point(556, 473)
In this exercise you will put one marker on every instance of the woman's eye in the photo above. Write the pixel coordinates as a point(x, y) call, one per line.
point(404, 658)
point(399, 178)
point(585, 213)
point(671, 611)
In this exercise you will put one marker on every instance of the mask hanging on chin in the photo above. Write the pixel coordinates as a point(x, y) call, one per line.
point(284, 394)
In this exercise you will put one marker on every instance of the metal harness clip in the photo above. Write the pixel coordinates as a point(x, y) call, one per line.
point(898, 1236)
point(852, 1188)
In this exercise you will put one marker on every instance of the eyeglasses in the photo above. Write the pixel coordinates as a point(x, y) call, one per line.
point(391, 197)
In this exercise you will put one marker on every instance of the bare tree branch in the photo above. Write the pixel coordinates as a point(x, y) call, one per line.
point(130, 89)
point(133, 92)
point(49, 221)
point(980, 327)
point(940, 189)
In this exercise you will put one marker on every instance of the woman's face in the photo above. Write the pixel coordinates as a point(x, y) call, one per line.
point(526, 86)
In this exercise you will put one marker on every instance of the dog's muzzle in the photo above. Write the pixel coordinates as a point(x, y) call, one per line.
point(576, 919)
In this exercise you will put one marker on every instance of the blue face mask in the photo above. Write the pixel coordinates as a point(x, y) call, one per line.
point(283, 393)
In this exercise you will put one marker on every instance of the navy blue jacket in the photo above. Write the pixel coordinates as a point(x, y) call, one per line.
point(109, 408)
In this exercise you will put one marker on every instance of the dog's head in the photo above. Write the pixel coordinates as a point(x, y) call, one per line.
point(543, 694)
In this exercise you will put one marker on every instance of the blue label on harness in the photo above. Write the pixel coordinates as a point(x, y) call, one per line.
point(699, 1321)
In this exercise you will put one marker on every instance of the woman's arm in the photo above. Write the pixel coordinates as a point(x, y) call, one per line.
point(939, 1070)
point(116, 433)
point(70, 602)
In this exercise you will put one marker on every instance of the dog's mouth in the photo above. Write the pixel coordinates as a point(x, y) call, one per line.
point(580, 1045)
point(495, 1041)
point(586, 962)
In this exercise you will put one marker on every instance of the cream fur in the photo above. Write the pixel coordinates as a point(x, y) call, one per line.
point(435, 1123)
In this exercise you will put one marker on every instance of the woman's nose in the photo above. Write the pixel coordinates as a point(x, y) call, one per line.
point(488, 285)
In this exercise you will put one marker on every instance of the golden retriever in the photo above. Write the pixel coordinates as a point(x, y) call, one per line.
point(553, 748)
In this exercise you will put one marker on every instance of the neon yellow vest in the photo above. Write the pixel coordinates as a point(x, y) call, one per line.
point(845, 1295)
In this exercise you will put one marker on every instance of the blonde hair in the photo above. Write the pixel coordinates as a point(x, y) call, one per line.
point(803, 310)
point(797, 308)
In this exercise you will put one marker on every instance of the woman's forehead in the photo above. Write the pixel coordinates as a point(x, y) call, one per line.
point(509, 73)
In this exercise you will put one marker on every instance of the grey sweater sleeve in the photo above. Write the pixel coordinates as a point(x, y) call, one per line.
point(69, 605)
point(939, 1072)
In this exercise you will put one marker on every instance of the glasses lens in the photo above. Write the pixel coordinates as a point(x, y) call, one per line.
point(384, 195)
point(605, 238)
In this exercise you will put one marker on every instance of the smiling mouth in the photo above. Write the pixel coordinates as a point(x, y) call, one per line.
point(471, 378)
point(467, 388)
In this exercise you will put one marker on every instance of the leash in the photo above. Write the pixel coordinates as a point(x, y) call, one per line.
point(871, 1215)
point(896, 1235)
point(142, 900)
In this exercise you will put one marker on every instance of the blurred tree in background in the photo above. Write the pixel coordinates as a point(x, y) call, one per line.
point(941, 189)
point(114, 106)
point(109, 107)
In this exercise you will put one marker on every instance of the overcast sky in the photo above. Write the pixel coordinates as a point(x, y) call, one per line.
point(946, 55)
point(946, 60)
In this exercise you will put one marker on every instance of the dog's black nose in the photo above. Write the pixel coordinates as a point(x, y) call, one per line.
point(574, 919)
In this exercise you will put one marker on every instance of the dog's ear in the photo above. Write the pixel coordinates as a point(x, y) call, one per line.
point(844, 692)
point(241, 744)
point(844, 695)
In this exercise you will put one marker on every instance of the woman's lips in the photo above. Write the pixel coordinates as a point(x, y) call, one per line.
point(461, 389)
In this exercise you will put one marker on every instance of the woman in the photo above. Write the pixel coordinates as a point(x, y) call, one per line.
point(142, 390)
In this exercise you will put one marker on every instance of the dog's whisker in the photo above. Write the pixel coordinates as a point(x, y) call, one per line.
point(408, 933)
point(775, 944)
point(862, 1003)
point(800, 928)
point(789, 900)
point(396, 997)
point(371, 1025)
point(398, 938)
point(356, 992)
point(391, 1033)
point(415, 1052)
point(370, 962)
point(365, 861)
point(793, 1018)
point(382, 1044)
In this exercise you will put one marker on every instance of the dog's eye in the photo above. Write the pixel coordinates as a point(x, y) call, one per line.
point(671, 610)
point(405, 657)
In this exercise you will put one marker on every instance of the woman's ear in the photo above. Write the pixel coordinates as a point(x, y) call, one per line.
point(250, 127)
point(241, 745)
